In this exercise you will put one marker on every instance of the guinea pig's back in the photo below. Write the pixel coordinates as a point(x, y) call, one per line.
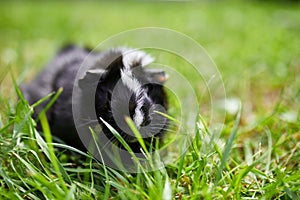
point(59, 73)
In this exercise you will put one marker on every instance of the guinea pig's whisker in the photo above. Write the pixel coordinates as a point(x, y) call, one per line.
point(87, 123)
point(170, 131)
point(157, 126)
point(165, 129)
point(163, 125)
point(161, 128)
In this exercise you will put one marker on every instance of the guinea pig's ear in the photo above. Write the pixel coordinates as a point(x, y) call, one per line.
point(108, 64)
point(92, 77)
point(157, 76)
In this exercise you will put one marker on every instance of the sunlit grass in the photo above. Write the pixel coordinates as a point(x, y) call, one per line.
point(254, 44)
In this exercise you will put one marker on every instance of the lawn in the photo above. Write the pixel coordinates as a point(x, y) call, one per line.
point(255, 46)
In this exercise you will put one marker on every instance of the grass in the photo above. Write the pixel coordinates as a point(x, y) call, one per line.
point(256, 48)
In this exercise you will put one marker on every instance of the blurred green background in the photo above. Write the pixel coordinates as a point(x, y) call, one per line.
point(255, 44)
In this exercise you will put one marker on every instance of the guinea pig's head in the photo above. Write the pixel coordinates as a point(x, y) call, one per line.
point(127, 88)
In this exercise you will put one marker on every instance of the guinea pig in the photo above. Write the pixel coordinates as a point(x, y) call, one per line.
point(124, 86)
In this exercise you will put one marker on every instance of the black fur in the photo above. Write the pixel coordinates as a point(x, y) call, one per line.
point(61, 72)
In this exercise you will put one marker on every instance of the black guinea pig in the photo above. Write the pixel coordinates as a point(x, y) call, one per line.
point(124, 86)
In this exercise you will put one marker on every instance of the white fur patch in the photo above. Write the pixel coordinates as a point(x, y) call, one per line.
point(138, 117)
point(131, 59)
point(134, 58)
point(135, 86)
point(130, 81)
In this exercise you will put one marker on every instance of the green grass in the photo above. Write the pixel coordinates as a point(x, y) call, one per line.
point(256, 48)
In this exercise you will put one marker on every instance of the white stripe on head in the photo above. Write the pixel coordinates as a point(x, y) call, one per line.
point(138, 117)
point(141, 98)
point(130, 81)
point(133, 58)
point(130, 60)
point(135, 86)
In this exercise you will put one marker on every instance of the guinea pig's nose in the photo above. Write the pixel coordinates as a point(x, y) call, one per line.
point(147, 121)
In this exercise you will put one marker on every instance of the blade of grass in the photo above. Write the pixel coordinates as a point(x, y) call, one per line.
point(181, 163)
point(7, 126)
point(117, 135)
point(168, 117)
point(70, 194)
point(18, 91)
point(38, 177)
point(51, 102)
point(123, 142)
point(236, 182)
point(107, 186)
point(67, 147)
point(44, 147)
point(54, 160)
point(45, 98)
point(3, 174)
point(136, 133)
point(228, 147)
point(4, 73)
